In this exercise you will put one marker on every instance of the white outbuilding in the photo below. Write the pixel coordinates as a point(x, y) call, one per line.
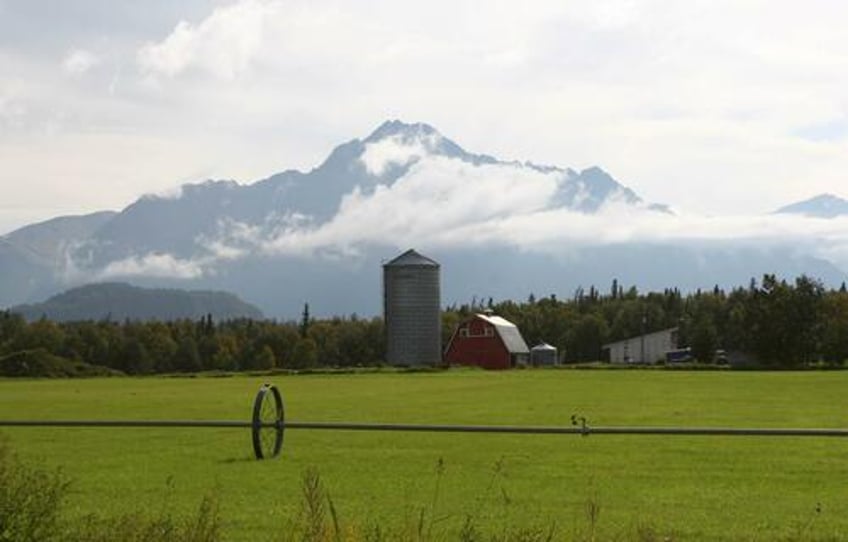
point(647, 348)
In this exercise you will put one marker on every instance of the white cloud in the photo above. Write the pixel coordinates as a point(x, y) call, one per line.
point(80, 61)
point(444, 202)
point(394, 151)
point(152, 265)
point(12, 112)
point(447, 203)
point(171, 192)
point(706, 105)
point(224, 44)
point(436, 196)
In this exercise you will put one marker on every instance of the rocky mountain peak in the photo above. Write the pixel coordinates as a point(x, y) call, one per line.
point(397, 128)
point(821, 206)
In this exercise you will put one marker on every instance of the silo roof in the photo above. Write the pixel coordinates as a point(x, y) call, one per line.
point(508, 332)
point(412, 258)
point(543, 346)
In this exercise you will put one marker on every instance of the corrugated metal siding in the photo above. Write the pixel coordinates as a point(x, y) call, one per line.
point(412, 302)
point(655, 346)
point(543, 354)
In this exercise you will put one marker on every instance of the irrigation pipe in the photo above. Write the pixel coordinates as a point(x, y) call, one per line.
point(268, 425)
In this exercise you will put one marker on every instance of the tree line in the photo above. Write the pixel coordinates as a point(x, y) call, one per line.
point(779, 324)
point(774, 323)
point(144, 347)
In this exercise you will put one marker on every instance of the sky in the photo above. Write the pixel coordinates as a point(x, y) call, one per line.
point(717, 108)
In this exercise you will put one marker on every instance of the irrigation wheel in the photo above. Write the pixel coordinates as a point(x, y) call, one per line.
point(268, 422)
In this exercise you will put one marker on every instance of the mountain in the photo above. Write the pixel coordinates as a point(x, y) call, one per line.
point(44, 241)
point(119, 301)
point(186, 225)
point(500, 228)
point(31, 257)
point(821, 206)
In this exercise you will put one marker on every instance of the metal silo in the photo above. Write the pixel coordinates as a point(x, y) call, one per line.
point(544, 354)
point(412, 310)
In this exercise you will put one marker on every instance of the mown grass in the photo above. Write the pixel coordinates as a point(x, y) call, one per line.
point(597, 487)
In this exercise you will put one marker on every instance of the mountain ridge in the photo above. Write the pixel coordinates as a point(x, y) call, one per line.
point(319, 236)
point(174, 225)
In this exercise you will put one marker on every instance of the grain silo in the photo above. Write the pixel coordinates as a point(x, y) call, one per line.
point(412, 310)
point(544, 354)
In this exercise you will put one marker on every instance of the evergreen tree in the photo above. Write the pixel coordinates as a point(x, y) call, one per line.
point(305, 321)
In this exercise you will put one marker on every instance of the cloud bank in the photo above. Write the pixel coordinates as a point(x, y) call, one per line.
point(442, 201)
point(447, 203)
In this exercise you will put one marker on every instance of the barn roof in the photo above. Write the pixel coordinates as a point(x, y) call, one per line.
point(412, 258)
point(508, 332)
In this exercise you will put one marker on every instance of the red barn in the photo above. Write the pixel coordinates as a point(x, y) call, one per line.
point(487, 341)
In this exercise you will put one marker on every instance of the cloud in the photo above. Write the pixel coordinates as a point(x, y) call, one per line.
point(670, 94)
point(447, 203)
point(437, 195)
point(79, 61)
point(224, 44)
point(830, 130)
point(12, 111)
point(380, 155)
point(152, 265)
point(715, 107)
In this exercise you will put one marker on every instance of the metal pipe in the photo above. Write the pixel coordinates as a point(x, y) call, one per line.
point(128, 423)
point(585, 430)
point(507, 429)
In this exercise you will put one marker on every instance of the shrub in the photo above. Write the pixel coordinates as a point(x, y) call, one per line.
point(41, 363)
point(30, 500)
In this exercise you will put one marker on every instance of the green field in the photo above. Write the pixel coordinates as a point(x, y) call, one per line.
point(691, 488)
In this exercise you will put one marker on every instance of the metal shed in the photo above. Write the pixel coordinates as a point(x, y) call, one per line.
point(544, 354)
point(647, 348)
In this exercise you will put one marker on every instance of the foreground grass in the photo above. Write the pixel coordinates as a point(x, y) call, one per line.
point(32, 500)
point(601, 487)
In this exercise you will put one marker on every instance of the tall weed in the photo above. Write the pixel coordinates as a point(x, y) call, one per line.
point(30, 500)
point(204, 526)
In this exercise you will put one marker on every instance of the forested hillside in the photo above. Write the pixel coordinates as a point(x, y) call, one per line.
point(120, 301)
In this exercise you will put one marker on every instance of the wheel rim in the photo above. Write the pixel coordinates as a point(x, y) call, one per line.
point(268, 422)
